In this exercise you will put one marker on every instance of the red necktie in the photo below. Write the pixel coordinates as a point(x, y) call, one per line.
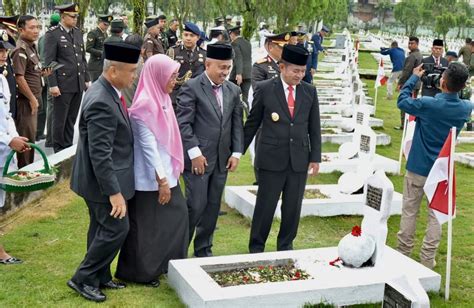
point(437, 62)
point(291, 100)
point(124, 104)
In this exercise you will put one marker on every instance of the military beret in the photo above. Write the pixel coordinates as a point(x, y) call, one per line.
point(4, 40)
point(121, 52)
point(325, 29)
point(279, 39)
point(117, 24)
point(452, 54)
point(151, 23)
point(193, 28)
point(438, 42)
point(71, 8)
point(219, 51)
point(105, 18)
point(295, 54)
point(10, 21)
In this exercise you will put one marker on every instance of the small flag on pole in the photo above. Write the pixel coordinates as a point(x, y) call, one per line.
point(409, 132)
point(381, 78)
point(437, 184)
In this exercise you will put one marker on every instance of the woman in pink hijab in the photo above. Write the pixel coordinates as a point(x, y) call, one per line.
point(158, 213)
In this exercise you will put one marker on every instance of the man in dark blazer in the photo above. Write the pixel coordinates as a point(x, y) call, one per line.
point(241, 73)
point(209, 113)
point(289, 147)
point(436, 60)
point(65, 46)
point(103, 169)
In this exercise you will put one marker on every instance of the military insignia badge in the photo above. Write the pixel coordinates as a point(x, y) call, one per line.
point(5, 36)
point(275, 117)
point(287, 37)
point(5, 73)
point(76, 8)
point(110, 18)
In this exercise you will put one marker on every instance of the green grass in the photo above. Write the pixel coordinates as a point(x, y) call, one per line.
point(53, 246)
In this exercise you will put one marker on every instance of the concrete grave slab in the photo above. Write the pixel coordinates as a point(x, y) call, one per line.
point(465, 158)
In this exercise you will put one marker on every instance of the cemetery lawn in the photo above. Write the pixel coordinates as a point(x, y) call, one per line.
point(50, 236)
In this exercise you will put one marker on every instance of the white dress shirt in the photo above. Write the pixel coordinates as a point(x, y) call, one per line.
point(150, 159)
point(287, 92)
point(196, 152)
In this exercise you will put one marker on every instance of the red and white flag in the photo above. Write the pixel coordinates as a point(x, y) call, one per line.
point(381, 78)
point(409, 132)
point(437, 184)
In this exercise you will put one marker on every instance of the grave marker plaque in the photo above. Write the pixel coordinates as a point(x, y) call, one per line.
point(394, 299)
point(374, 197)
point(360, 118)
point(364, 144)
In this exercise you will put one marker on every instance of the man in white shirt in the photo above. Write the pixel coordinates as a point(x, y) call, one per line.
point(209, 114)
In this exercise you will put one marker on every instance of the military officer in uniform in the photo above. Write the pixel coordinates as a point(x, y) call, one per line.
point(311, 65)
point(152, 44)
point(67, 83)
point(267, 67)
point(189, 55)
point(162, 35)
point(241, 73)
point(116, 31)
point(95, 46)
point(28, 72)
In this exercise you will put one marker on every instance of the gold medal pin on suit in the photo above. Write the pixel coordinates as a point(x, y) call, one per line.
point(275, 117)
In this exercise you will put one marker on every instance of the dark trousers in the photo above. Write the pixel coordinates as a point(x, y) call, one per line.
point(203, 197)
point(402, 113)
point(26, 123)
point(66, 108)
point(105, 237)
point(42, 113)
point(49, 120)
point(245, 88)
point(270, 185)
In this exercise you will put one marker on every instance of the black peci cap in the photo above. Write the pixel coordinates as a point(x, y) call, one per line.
point(219, 51)
point(151, 23)
point(121, 52)
point(438, 42)
point(295, 54)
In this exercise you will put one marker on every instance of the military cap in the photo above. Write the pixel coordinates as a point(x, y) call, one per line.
point(4, 40)
point(121, 52)
point(295, 54)
point(71, 8)
point(279, 39)
point(193, 28)
point(151, 23)
point(216, 30)
point(325, 29)
point(117, 24)
point(105, 18)
point(219, 20)
point(438, 42)
point(234, 29)
point(10, 21)
point(452, 54)
point(219, 51)
point(151, 17)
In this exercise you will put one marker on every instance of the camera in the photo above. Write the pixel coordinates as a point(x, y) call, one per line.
point(432, 75)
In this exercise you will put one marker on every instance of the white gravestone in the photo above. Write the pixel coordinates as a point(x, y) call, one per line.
point(366, 140)
point(405, 292)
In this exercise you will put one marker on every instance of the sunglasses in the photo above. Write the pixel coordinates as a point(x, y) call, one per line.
point(72, 16)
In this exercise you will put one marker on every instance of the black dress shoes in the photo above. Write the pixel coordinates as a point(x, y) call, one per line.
point(113, 285)
point(153, 284)
point(88, 292)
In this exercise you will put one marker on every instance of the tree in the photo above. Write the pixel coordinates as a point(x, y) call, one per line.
point(408, 12)
point(382, 7)
point(443, 23)
point(23, 6)
point(9, 7)
point(139, 11)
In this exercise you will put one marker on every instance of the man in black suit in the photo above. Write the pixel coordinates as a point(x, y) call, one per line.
point(288, 150)
point(65, 46)
point(103, 169)
point(209, 113)
point(437, 61)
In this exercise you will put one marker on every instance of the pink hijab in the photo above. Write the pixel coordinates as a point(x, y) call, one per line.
point(152, 105)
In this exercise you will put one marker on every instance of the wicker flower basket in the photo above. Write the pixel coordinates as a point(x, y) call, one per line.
point(25, 181)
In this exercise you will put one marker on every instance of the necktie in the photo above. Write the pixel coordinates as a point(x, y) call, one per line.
point(124, 104)
point(291, 100)
point(437, 62)
point(215, 89)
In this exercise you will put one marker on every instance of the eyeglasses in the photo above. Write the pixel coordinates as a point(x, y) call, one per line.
point(72, 16)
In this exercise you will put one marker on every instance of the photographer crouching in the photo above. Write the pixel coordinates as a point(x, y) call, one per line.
point(434, 118)
point(434, 66)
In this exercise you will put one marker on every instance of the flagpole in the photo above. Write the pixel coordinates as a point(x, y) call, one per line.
point(450, 213)
point(375, 100)
point(400, 156)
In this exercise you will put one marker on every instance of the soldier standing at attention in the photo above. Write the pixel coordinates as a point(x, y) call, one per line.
point(67, 83)
point(241, 73)
point(152, 44)
point(95, 46)
point(28, 73)
point(189, 55)
point(116, 31)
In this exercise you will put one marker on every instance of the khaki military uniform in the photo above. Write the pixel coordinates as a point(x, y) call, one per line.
point(152, 46)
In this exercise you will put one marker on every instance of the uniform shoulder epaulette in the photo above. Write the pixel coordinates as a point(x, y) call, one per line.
point(21, 45)
point(262, 60)
point(311, 42)
point(53, 28)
